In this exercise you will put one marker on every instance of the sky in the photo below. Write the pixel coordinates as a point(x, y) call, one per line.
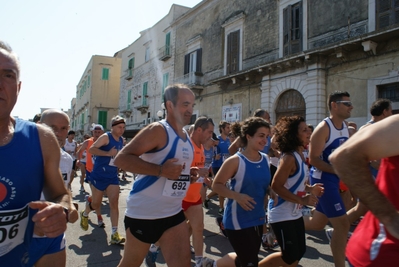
point(56, 39)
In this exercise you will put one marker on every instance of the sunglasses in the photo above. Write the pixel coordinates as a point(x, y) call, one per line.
point(345, 103)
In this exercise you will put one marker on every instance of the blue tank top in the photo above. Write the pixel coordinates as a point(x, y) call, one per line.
point(21, 181)
point(336, 138)
point(252, 178)
point(103, 165)
point(223, 149)
point(208, 157)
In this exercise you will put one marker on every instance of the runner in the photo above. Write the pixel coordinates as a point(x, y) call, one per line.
point(161, 154)
point(104, 176)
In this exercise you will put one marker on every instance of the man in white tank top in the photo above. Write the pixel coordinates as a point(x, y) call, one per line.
point(71, 147)
point(161, 154)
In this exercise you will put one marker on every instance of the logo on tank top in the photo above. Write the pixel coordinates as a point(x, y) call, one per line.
point(7, 192)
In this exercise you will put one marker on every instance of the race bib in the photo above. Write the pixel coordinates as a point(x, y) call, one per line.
point(176, 188)
point(65, 176)
point(13, 225)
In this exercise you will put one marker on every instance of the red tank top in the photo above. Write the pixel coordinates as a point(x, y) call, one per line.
point(371, 244)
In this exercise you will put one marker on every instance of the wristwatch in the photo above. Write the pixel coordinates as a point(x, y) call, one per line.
point(66, 214)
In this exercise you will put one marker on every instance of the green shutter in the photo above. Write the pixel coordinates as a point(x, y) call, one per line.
point(165, 82)
point(105, 74)
point(145, 85)
point(167, 44)
point(129, 99)
point(102, 118)
point(82, 118)
point(88, 81)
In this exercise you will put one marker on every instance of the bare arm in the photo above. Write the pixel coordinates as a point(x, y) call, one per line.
point(51, 219)
point(103, 140)
point(228, 170)
point(151, 138)
point(317, 142)
point(351, 162)
point(81, 149)
point(235, 146)
point(287, 167)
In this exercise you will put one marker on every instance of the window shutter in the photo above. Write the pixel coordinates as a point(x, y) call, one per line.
point(145, 85)
point(129, 98)
point(167, 44)
point(233, 51)
point(286, 30)
point(186, 64)
point(199, 60)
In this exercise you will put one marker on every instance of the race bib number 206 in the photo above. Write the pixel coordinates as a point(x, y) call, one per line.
point(13, 224)
point(177, 188)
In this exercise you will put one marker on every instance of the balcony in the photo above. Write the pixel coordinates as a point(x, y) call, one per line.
point(165, 52)
point(143, 108)
point(128, 74)
point(194, 80)
point(126, 111)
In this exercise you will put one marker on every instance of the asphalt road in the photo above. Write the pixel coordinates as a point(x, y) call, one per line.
point(93, 248)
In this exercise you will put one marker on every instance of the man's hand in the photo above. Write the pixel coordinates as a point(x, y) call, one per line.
point(112, 152)
point(171, 170)
point(50, 220)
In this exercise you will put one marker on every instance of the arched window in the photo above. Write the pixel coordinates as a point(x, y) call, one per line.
point(290, 103)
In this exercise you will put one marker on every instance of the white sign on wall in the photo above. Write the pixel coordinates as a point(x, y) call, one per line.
point(232, 113)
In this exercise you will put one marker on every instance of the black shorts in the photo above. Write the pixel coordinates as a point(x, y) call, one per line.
point(150, 231)
point(74, 164)
point(291, 238)
point(246, 244)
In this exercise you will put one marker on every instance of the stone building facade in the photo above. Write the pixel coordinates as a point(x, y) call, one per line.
point(97, 94)
point(287, 56)
point(284, 56)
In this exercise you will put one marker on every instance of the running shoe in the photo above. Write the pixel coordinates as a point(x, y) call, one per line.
point(116, 239)
point(84, 221)
point(151, 258)
point(207, 262)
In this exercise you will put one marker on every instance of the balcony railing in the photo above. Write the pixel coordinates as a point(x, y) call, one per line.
point(165, 52)
point(191, 79)
point(128, 74)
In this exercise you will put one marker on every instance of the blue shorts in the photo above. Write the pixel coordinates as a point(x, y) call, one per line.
point(87, 179)
point(41, 246)
point(102, 180)
point(330, 203)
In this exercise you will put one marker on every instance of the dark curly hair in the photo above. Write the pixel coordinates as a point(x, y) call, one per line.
point(248, 126)
point(286, 133)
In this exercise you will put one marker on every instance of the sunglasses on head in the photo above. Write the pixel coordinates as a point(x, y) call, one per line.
point(345, 103)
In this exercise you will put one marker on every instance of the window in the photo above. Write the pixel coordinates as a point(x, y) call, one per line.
point(105, 74)
point(167, 44)
point(233, 43)
point(82, 118)
point(233, 52)
point(102, 118)
point(292, 29)
point(389, 91)
point(165, 82)
point(88, 81)
point(387, 13)
point(129, 99)
point(147, 54)
point(145, 85)
point(193, 61)
point(131, 66)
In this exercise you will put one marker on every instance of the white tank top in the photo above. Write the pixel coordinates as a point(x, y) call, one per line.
point(70, 147)
point(155, 197)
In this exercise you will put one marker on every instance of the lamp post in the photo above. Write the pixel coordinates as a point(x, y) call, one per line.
point(161, 113)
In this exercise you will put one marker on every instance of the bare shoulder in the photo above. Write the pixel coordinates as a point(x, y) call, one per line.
point(153, 136)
